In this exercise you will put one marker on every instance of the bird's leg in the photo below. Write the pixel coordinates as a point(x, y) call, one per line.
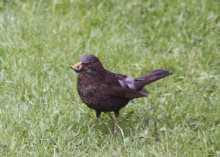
point(98, 113)
point(116, 121)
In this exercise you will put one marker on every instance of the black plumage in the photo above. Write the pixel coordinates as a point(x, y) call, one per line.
point(105, 91)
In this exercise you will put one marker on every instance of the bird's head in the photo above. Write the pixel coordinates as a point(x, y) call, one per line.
point(88, 64)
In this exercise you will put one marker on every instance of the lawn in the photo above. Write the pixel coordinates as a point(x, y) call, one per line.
point(41, 113)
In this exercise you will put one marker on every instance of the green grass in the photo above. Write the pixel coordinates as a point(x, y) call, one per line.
point(41, 113)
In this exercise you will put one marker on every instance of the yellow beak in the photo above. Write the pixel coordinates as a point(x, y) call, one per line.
point(77, 67)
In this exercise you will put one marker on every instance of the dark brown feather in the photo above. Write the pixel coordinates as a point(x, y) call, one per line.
point(105, 91)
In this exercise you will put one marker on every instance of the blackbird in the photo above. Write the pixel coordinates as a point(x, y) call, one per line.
point(105, 91)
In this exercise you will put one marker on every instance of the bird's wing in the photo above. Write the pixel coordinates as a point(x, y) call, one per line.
point(122, 86)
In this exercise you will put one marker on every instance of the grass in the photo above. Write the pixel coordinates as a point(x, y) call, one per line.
point(41, 113)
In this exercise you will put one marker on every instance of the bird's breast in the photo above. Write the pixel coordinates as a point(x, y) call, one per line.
point(87, 88)
point(94, 93)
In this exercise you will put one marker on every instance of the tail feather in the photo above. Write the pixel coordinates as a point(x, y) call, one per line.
point(140, 82)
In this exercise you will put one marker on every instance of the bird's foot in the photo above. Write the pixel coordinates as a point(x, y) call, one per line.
point(95, 124)
point(118, 129)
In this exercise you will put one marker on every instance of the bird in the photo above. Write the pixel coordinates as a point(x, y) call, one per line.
point(106, 91)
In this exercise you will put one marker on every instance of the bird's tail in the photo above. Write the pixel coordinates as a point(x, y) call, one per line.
point(140, 82)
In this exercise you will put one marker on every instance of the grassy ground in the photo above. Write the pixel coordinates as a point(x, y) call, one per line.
point(41, 113)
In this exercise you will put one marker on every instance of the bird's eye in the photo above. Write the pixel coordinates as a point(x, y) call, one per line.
point(89, 63)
